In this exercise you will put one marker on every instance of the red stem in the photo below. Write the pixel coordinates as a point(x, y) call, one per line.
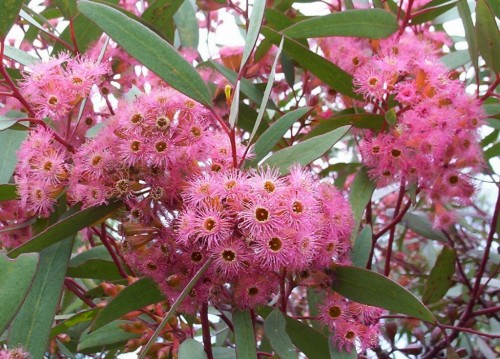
point(109, 247)
point(205, 327)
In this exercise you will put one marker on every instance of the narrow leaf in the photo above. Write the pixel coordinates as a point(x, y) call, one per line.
point(187, 25)
point(488, 36)
point(420, 224)
point(439, 280)
point(136, 296)
point(369, 23)
point(15, 279)
point(456, 59)
point(273, 134)
point(367, 287)
point(9, 9)
point(108, 336)
point(244, 335)
point(358, 120)
point(86, 33)
point(31, 327)
point(11, 141)
point(259, 6)
point(275, 330)
point(8, 192)
point(191, 349)
point(67, 7)
point(362, 247)
point(149, 49)
point(160, 14)
point(361, 192)
point(95, 263)
point(470, 33)
point(267, 92)
point(325, 70)
point(78, 318)
point(307, 151)
point(20, 56)
point(233, 113)
point(65, 227)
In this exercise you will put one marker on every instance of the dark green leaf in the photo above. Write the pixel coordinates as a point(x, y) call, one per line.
point(273, 134)
point(288, 69)
point(107, 336)
point(488, 36)
point(495, 6)
point(15, 279)
point(8, 192)
point(456, 59)
point(187, 25)
point(78, 318)
point(391, 117)
point(65, 227)
point(439, 280)
point(470, 33)
point(244, 335)
point(8, 13)
point(224, 353)
point(362, 247)
point(307, 151)
point(160, 13)
point(67, 7)
point(254, 25)
point(11, 141)
point(370, 23)
point(95, 263)
point(434, 9)
point(191, 349)
point(420, 224)
point(136, 296)
point(367, 287)
point(492, 152)
point(149, 49)
point(325, 70)
point(360, 120)
point(361, 192)
point(275, 330)
point(31, 327)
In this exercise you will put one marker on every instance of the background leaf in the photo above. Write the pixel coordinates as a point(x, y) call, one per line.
point(244, 335)
point(31, 327)
point(439, 280)
point(253, 29)
point(275, 330)
point(369, 23)
point(8, 192)
point(187, 25)
point(11, 141)
point(488, 36)
point(367, 287)
point(191, 349)
point(8, 13)
point(95, 263)
point(15, 279)
point(305, 152)
point(149, 49)
point(109, 336)
point(362, 247)
point(360, 194)
point(420, 224)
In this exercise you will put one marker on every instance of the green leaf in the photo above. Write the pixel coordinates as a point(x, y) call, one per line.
point(391, 117)
point(11, 141)
point(65, 227)
point(273, 134)
point(187, 25)
point(149, 49)
point(275, 330)
point(191, 349)
point(362, 247)
point(8, 13)
point(359, 120)
point(325, 70)
point(244, 334)
point(259, 6)
point(470, 33)
point(488, 36)
point(160, 13)
point(370, 288)
point(95, 263)
point(439, 280)
point(136, 296)
point(20, 56)
point(81, 317)
point(492, 152)
point(8, 192)
point(31, 327)
point(224, 353)
point(421, 225)
point(361, 192)
point(433, 10)
point(305, 152)
point(16, 277)
point(108, 336)
point(336, 354)
point(67, 7)
point(369, 23)
point(456, 59)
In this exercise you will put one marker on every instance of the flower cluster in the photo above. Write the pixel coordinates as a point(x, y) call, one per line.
point(433, 141)
point(13, 354)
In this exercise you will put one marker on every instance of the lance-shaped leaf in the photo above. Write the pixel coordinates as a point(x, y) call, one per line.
point(109, 336)
point(369, 23)
point(8, 192)
point(15, 279)
point(275, 329)
point(78, 318)
point(325, 70)
point(67, 7)
point(367, 287)
point(470, 33)
point(420, 224)
point(95, 263)
point(187, 25)
point(11, 140)
point(244, 335)
point(307, 151)
point(358, 120)
point(253, 29)
point(361, 191)
point(149, 49)
point(439, 280)
point(8, 13)
point(488, 36)
point(65, 227)
point(362, 247)
point(20, 56)
point(31, 327)
point(137, 295)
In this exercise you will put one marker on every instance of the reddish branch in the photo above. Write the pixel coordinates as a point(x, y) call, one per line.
point(205, 328)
